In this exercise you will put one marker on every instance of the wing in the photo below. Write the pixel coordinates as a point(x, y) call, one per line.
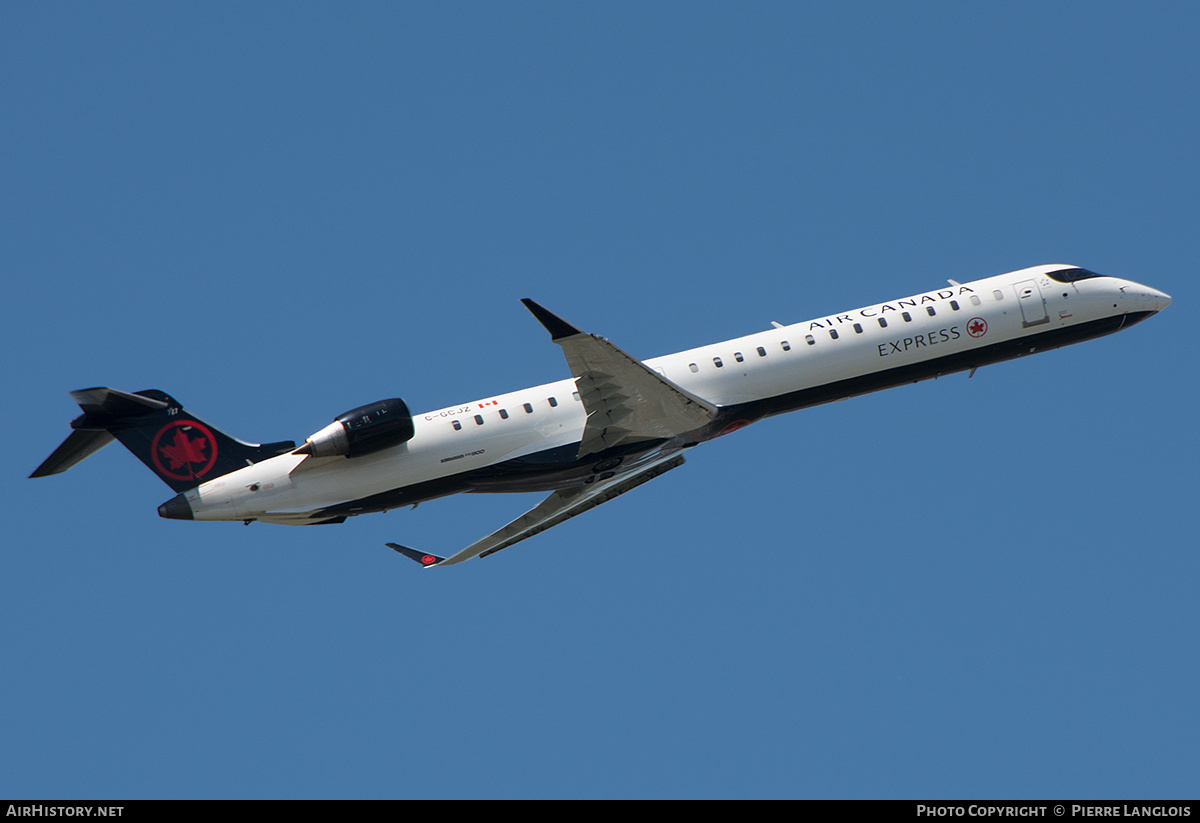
point(560, 506)
point(625, 401)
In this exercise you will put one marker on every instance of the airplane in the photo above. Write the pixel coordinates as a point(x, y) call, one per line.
point(615, 424)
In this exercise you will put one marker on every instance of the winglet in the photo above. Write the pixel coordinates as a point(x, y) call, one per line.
point(423, 558)
point(554, 324)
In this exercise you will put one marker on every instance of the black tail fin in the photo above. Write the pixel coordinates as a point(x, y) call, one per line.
point(181, 449)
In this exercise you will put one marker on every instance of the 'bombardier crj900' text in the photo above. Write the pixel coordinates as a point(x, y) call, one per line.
point(613, 425)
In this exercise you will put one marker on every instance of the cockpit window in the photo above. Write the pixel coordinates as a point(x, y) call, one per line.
point(1071, 275)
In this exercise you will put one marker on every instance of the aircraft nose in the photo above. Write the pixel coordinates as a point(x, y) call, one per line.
point(1158, 299)
point(177, 508)
point(1143, 300)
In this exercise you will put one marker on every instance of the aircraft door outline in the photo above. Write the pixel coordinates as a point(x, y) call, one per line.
point(1033, 304)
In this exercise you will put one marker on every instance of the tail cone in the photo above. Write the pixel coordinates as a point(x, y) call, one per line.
point(176, 508)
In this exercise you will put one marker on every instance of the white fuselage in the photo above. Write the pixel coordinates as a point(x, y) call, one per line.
point(763, 373)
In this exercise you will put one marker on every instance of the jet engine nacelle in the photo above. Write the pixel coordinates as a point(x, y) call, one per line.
point(364, 430)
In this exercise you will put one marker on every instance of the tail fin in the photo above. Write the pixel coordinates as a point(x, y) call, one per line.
point(181, 449)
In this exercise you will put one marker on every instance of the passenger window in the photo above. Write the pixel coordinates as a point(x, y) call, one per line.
point(810, 340)
point(883, 323)
point(858, 328)
point(737, 355)
point(907, 317)
point(479, 420)
point(999, 295)
point(833, 334)
point(575, 395)
point(717, 362)
point(504, 414)
point(974, 299)
point(929, 310)
point(553, 402)
point(457, 425)
point(954, 305)
point(785, 345)
point(528, 408)
point(762, 352)
point(693, 367)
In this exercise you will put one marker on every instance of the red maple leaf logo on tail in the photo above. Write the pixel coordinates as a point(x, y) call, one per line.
point(185, 450)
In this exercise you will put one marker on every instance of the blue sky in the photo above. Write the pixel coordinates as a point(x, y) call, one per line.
point(278, 212)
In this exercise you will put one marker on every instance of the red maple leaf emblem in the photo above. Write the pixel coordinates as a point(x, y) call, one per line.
point(185, 450)
point(977, 327)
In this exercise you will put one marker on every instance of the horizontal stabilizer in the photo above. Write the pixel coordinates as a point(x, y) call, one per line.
point(102, 407)
point(181, 449)
point(78, 446)
point(112, 404)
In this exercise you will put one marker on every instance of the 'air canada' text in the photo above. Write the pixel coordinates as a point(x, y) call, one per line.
point(900, 305)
